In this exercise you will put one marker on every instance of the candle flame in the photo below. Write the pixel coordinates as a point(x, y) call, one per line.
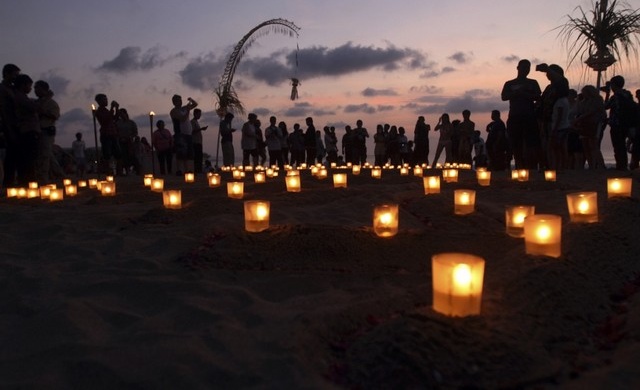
point(518, 218)
point(464, 198)
point(261, 212)
point(385, 218)
point(583, 206)
point(152, 113)
point(462, 279)
point(93, 107)
point(615, 185)
point(543, 232)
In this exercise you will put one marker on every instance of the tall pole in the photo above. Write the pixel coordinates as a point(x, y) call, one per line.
point(95, 138)
point(153, 160)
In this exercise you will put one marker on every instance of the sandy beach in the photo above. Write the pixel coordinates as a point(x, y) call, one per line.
point(121, 293)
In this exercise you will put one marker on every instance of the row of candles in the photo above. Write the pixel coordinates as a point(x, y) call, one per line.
point(457, 277)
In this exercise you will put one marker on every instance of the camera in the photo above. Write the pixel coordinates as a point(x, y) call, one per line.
point(542, 67)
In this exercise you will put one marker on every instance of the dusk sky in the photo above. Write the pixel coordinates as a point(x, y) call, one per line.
point(381, 61)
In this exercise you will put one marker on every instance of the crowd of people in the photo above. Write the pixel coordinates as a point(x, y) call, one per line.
point(555, 128)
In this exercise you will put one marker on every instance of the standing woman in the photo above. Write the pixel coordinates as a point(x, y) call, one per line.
point(590, 117)
point(380, 147)
point(445, 128)
point(163, 144)
point(28, 127)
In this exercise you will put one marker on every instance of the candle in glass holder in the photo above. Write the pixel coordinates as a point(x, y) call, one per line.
point(385, 220)
point(56, 195)
point(237, 174)
point(235, 189)
point(514, 219)
point(450, 175)
point(32, 193)
point(523, 175)
point(417, 171)
point(583, 206)
point(355, 170)
point(45, 191)
point(172, 199)
point(404, 171)
point(550, 175)
point(93, 183)
point(619, 187)
point(157, 184)
point(110, 178)
point(293, 183)
point(12, 192)
point(431, 184)
point(339, 180)
point(71, 190)
point(457, 280)
point(543, 235)
point(82, 184)
point(21, 193)
point(484, 177)
point(147, 180)
point(33, 185)
point(260, 177)
point(214, 180)
point(108, 188)
point(189, 177)
point(464, 201)
point(376, 172)
point(66, 182)
point(256, 215)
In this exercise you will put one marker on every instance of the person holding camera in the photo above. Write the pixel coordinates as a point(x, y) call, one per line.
point(183, 133)
point(522, 128)
point(108, 131)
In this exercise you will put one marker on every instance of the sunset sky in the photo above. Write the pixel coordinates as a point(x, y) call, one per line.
point(380, 61)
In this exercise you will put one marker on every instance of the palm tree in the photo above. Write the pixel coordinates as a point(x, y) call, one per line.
point(599, 37)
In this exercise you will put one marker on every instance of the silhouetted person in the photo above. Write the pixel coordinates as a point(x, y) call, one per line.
point(28, 128)
point(48, 114)
point(421, 142)
point(226, 140)
point(273, 137)
point(196, 129)
point(622, 118)
point(9, 125)
point(310, 142)
point(162, 142)
point(108, 132)
point(497, 144)
point(445, 127)
point(249, 141)
point(522, 127)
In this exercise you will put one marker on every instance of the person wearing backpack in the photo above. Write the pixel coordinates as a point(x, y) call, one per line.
point(624, 117)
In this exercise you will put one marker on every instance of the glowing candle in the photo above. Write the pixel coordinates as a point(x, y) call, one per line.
point(12, 192)
point(56, 195)
point(157, 184)
point(484, 177)
point(385, 220)
point(417, 171)
point(214, 180)
point(450, 175)
point(464, 201)
point(619, 187)
point(583, 206)
point(21, 193)
point(235, 190)
point(514, 219)
point(260, 177)
point(404, 171)
point(293, 183)
point(147, 180)
point(355, 170)
point(82, 183)
point(457, 280)
point(256, 215)
point(431, 184)
point(339, 180)
point(93, 183)
point(523, 175)
point(172, 199)
point(66, 182)
point(71, 190)
point(189, 177)
point(543, 235)
point(376, 172)
point(550, 175)
point(322, 173)
point(33, 185)
point(108, 188)
point(32, 193)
